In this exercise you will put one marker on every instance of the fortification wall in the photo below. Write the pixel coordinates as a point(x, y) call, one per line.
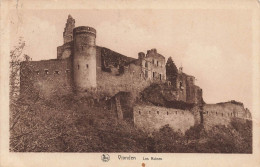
point(150, 118)
point(131, 80)
point(48, 77)
point(222, 113)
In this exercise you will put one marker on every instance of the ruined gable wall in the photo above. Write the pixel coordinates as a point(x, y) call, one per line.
point(153, 64)
point(48, 77)
point(152, 118)
point(131, 80)
point(222, 114)
point(116, 73)
point(65, 51)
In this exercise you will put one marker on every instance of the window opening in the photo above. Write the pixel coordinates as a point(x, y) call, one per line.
point(57, 72)
point(46, 72)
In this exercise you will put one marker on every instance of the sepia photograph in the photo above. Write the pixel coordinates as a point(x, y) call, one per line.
point(121, 81)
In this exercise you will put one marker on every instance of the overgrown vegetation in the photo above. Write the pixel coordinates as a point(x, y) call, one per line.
point(158, 94)
point(72, 124)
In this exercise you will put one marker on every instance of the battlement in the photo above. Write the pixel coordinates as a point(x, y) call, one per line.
point(84, 29)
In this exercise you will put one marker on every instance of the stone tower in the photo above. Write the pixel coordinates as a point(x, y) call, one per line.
point(68, 30)
point(84, 59)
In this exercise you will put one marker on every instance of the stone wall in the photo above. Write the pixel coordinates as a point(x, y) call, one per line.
point(222, 113)
point(153, 65)
point(187, 91)
point(65, 51)
point(132, 80)
point(150, 118)
point(48, 77)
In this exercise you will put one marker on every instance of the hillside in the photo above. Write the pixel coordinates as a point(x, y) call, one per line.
point(72, 124)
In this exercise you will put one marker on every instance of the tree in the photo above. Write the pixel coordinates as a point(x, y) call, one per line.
point(15, 60)
point(20, 127)
point(171, 71)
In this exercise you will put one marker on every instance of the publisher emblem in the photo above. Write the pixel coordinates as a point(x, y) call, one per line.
point(105, 157)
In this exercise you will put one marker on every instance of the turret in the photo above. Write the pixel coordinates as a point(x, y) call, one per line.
point(84, 59)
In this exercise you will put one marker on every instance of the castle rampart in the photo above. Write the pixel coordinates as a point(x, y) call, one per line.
point(152, 118)
point(47, 77)
point(222, 113)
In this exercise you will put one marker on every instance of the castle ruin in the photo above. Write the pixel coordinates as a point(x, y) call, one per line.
point(84, 68)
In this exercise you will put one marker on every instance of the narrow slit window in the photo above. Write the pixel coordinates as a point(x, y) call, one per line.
point(67, 71)
point(157, 112)
point(87, 65)
point(222, 114)
point(167, 113)
point(176, 112)
point(139, 112)
point(78, 66)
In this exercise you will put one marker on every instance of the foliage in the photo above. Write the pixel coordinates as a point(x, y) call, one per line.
point(171, 71)
point(156, 94)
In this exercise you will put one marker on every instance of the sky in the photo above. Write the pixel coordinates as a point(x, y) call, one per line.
point(213, 45)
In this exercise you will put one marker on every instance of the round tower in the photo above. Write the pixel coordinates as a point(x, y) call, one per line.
point(84, 59)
